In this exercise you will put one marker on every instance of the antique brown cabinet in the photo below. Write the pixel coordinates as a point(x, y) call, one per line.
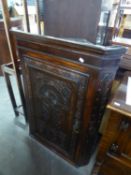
point(66, 87)
point(114, 155)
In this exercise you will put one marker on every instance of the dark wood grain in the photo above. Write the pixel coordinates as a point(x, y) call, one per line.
point(112, 166)
point(66, 98)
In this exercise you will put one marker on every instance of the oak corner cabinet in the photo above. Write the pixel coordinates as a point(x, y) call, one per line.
point(67, 84)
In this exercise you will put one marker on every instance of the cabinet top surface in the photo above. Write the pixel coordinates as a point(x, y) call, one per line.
point(121, 101)
point(78, 44)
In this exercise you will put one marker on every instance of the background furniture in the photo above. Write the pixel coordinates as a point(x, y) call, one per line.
point(114, 155)
point(72, 19)
point(14, 67)
point(67, 85)
point(4, 49)
point(121, 16)
point(125, 62)
point(8, 71)
point(119, 21)
point(109, 33)
point(103, 27)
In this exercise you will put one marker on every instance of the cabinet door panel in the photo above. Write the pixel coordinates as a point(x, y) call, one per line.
point(56, 96)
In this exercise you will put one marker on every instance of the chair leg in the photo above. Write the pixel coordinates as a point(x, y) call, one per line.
point(21, 91)
point(11, 93)
point(7, 71)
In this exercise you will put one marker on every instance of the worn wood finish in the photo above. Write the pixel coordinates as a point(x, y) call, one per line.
point(72, 18)
point(67, 86)
point(114, 155)
point(112, 166)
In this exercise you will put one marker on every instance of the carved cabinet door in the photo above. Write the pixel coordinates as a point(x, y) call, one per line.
point(55, 97)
